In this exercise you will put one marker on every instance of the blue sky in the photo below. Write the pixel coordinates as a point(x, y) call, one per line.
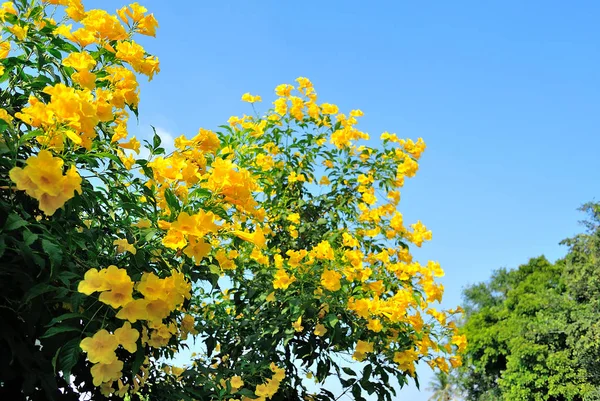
point(505, 94)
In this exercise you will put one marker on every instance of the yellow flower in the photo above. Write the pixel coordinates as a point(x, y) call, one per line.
point(134, 310)
point(107, 26)
point(320, 330)
point(331, 280)
point(147, 25)
point(19, 32)
point(43, 180)
point(282, 280)
point(174, 239)
point(75, 10)
point(151, 286)
point(122, 389)
point(119, 295)
point(304, 83)
point(460, 341)
point(279, 373)
point(406, 359)
point(8, 7)
point(105, 372)
point(130, 52)
point(121, 287)
point(4, 49)
point(284, 90)
point(144, 223)
point(224, 261)
point(257, 237)
point(157, 310)
point(362, 348)
point(236, 382)
point(375, 325)
point(197, 249)
point(293, 177)
point(127, 337)
point(294, 218)
point(124, 246)
point(270, 297)
point(132, 144)
point(93, 281)
point(133, 14)
point(297, 325)
point(327, 108)
point(101, 347)
point(280, 106)
point(324, 180)
point(85, 79)
point(247, 97)
point(82, 61)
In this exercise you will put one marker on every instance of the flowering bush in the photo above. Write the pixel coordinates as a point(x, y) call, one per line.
point(273, 246)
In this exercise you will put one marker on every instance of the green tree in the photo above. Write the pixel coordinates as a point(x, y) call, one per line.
point(443, 387)
point(533, 331)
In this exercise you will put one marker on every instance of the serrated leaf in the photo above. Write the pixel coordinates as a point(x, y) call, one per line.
point(68, 357)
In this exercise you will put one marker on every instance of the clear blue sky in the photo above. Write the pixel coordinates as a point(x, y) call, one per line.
point(506, 94)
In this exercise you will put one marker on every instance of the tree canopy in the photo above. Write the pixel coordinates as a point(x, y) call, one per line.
point(533, 331)
point(272, 244)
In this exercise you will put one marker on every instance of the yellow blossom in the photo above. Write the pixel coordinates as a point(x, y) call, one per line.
point(100, 347)
point(297, 325)
point(320, 330)
point(93, 281)
point(124, 246)
point(362, 348)
point(247, 97)
point(127, 337)
point(282, 279)
point(105, 372)
point(331, 280)
point(236, 382)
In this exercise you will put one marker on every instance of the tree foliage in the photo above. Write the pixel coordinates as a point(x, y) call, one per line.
point(272, 246)
point(533, 331)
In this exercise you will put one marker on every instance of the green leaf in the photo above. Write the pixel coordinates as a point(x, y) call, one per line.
point(52, 331)
point(357, 393)
point(349, 371)
point(68, 357)
point(13, 222)
point(172, 201)
point(29, 237)
point(66, 316)
point(30, 135)
point(156, 140)
point(140, 355)
point(53, 251)
point(366, 375)
point(38, 290)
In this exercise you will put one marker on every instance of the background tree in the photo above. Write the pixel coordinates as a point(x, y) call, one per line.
point(443, 387)
point(531, 330)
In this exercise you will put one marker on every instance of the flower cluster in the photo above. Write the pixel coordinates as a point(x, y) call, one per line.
point(43, 179)
point(158, 298)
